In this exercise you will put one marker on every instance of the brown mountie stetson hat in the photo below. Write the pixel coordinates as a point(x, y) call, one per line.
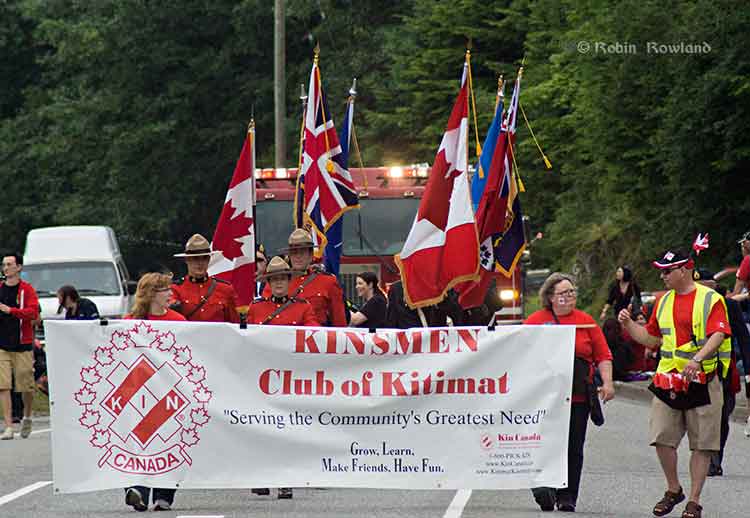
point(196, 246)
point(277, 266)
point(299, 239)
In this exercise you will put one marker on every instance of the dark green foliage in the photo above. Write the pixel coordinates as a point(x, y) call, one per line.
point(132, 113)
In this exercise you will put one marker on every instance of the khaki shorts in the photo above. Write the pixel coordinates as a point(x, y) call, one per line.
point(20, 363)
point(702, 424)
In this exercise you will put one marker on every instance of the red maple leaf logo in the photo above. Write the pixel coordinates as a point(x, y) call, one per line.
point(202, 394)
point(103, 355)
point(85, 396)
point(121, 340)
point(196, 374)
point(90, 375)
point(164, 342)
point(99, 438)
point(90, 418)
point(234, 235)
point(199, 416)
point(189, 436)
point(182, 355)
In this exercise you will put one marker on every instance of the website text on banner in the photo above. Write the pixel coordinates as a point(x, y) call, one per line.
point(180, 404)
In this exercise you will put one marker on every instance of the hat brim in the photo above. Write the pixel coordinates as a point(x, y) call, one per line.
point(688, 263)
point(296, 247)
point(202, 254)
point(290, 273)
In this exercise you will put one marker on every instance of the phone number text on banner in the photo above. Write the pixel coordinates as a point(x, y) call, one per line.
point(197, 405)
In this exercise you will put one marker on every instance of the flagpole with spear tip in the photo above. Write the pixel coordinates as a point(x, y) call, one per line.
point(473, 101)
point(352, 97)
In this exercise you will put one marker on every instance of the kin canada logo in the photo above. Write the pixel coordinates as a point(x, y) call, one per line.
point(143, 413)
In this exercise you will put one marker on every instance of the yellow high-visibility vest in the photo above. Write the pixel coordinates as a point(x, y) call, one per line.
point(675, 356)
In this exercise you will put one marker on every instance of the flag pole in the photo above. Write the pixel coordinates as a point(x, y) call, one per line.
point(316, 59)
point(352, 97)
point(303, 99)
point(473, 101)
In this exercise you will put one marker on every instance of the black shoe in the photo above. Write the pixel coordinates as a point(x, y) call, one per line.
point(715, 471)
point(260, 491)
point(285, 493)
point(134, 499)
point(566, 506)
point(545, 497)
point(162, 505)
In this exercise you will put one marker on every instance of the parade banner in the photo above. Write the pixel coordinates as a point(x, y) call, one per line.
point(204, 405)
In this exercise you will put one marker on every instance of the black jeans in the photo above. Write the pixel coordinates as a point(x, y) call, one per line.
point(726, 412)
point(579, 418)
point(158, 493)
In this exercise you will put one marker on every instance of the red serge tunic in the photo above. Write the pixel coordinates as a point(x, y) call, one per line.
point(590, 343)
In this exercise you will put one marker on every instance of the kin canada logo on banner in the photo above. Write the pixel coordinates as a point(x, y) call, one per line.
point(144, 401)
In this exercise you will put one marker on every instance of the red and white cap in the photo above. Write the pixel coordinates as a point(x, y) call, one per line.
point(672, 259)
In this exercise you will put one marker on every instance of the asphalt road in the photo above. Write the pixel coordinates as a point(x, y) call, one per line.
point(621, 479)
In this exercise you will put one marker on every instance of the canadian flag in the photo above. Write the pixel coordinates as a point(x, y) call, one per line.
point(234, 236)
point(442, 248)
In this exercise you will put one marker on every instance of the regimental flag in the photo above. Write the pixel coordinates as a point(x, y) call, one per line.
point(335, 233)
point(234, 236)
point(328, 187)
point(442, 248)
point(492, 209)
point(509, 247)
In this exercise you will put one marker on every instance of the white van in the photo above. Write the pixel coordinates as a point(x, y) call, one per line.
point(86, 257)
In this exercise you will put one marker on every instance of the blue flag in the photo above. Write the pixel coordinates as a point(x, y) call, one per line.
point(481, 173)
point(335, 234)
point(509, 247)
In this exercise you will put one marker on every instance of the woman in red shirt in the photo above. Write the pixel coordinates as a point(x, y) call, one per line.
point(558, 298)
point(152, 303)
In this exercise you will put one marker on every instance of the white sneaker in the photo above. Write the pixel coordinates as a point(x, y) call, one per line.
point(7, 434)
point(26, 427)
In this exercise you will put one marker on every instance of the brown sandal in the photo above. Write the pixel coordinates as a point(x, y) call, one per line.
point(692, 510)
point(666, 504)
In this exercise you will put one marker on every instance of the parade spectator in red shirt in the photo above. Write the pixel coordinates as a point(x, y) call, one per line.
point(152, 303)
point(741, 285)
point(558, 296)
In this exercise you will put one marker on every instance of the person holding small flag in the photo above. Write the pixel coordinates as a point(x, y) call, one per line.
point(690, 325)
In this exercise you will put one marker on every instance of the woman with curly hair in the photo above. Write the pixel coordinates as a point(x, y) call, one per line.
point(152, 303)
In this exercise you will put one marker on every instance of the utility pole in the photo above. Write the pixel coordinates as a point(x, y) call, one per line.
point(279, 83)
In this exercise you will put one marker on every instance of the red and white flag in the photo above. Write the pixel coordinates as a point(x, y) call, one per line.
point(442, 248)
point(234, 236)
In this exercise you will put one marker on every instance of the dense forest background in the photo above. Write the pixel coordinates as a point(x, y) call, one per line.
point(131, 113)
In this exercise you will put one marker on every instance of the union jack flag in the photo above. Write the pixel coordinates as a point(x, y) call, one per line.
point(328, 187)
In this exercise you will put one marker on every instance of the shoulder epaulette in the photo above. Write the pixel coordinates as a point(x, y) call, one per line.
point(178, 281)
point(259, 300)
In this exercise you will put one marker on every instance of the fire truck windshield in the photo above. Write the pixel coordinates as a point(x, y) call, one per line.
point(380, 226)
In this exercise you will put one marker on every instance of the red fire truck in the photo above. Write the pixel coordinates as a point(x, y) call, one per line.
point(389, 199)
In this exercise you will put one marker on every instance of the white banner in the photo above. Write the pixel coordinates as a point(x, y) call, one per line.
point(198, 405)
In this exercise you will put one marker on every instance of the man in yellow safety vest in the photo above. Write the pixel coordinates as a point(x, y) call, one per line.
point(690, 326)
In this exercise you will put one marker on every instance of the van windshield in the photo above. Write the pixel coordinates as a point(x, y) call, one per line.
point(89, 278)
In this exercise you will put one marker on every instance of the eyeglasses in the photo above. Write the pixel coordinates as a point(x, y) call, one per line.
point(567, 293)
point(667, 271)
point(163, 289)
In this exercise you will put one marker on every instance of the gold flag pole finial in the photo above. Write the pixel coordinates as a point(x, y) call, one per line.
point(316, 53)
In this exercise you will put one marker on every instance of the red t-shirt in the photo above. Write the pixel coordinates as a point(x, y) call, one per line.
point(590, 342)
point(743, 273)
point(683, 319)
point(169, 315)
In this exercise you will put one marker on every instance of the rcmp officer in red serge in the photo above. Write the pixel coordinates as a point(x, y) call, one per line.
point(282, 310)
point(197, 296)
point(319, 288)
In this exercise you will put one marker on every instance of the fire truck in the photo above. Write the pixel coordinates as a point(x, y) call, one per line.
point(389, 199)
